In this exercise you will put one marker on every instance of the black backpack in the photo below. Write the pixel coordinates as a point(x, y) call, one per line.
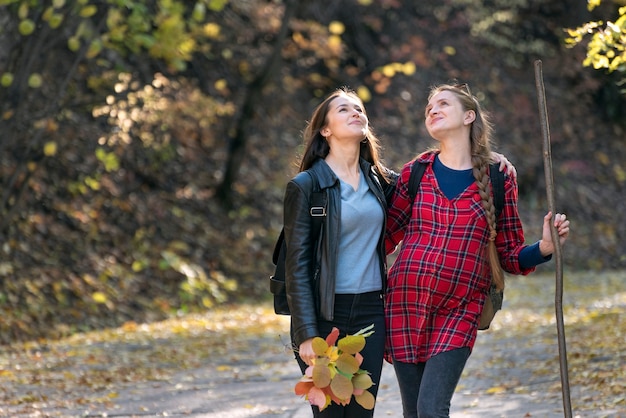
point(494, 302)
point(318, 214)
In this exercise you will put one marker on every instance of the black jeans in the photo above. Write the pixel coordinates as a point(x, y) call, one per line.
point(353, 313)
point(427, 388)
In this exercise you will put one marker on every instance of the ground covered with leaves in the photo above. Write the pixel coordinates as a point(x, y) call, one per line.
point(93, 372)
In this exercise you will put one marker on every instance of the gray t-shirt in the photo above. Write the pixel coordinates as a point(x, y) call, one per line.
point(358, 267)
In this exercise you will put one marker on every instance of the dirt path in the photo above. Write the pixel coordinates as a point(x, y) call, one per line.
point(229, 367)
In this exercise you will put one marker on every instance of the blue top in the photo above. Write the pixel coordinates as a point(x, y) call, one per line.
point(358, 265)
point(454, 182)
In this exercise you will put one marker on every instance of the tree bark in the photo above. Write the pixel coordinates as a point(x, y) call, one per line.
point(253, 96)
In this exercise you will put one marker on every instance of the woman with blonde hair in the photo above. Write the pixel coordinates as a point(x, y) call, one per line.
point(452, 246)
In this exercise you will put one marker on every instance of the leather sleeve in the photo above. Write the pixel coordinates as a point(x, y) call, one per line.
point(389, 188)
point(299, 261)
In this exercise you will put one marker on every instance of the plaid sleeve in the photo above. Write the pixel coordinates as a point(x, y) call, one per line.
point(510, 239)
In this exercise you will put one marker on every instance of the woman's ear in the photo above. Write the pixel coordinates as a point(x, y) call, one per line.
point(470, 117)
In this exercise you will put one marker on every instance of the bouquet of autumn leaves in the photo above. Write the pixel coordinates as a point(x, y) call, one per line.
point(335, 375)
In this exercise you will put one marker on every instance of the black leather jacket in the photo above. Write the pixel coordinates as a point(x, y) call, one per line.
point(309, 299)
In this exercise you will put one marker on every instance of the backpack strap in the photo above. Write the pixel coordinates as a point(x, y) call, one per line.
point(318, 205)
point(497, 185)
point(417, 171)
point(317, 212)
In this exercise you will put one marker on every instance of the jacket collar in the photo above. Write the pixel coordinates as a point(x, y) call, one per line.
point(327, 177)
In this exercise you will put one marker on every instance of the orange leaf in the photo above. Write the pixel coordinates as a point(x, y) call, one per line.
point(303, 387)
point(331, 339)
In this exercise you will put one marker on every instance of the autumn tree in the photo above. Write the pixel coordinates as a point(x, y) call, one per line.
point(606, 46)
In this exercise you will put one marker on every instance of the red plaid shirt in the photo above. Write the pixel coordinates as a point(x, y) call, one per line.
point(438, 283)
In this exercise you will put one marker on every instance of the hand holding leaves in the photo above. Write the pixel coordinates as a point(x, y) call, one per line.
point(335, 375)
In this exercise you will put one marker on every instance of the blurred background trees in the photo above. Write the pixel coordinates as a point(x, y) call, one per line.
point(146, 143)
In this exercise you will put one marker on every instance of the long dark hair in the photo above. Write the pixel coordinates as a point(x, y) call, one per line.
point(316, 145)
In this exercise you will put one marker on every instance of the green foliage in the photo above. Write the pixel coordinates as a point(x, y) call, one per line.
point(606, 48)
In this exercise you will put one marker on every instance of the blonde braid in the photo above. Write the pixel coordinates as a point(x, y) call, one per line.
point(481, 174)
point(480, 141)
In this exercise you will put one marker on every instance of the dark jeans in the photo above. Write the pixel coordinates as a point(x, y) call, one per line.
point(427, 388)
point(353, 313)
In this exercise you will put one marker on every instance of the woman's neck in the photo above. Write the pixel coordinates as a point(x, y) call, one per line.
point(455, 155)
point(346, 167)
point(344, 161)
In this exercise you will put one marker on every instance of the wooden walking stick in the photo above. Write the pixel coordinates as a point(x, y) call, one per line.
point(558, 298)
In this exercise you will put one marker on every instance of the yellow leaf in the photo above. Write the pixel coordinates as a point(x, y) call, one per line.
point(364, 94)
point(50, 149)
point(351, 344)
point(6, 80)
point(321, 376)
point(347, 364)
point(26, 27)
point(35, 81)
point(319, 346)
point(496, 390)
point(336, 27)
point(88, 11)
point(342, 387)
point(362, 381)
point(99, 297)
point(366, 400)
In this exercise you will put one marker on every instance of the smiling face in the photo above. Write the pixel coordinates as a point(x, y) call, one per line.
point(445, 115)
point(346, 119)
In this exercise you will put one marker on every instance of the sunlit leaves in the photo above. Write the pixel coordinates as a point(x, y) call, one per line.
point(26, 27)
point(217, 5)
point(199, 11)
point(173, 32)
point(50, 149)
point(109, 159)
point(336, 28)
point(99, 297)
point(606, 48)
point(6, 79)
point(35, 80)
point(212, 30)
point(88, 11)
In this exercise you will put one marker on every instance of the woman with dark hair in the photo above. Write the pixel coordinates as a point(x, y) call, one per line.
point(342, 156)
point(340, 282)
point(453, 248)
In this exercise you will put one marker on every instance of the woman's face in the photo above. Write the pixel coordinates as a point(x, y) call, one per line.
point(445, 114)
point(346, 119)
